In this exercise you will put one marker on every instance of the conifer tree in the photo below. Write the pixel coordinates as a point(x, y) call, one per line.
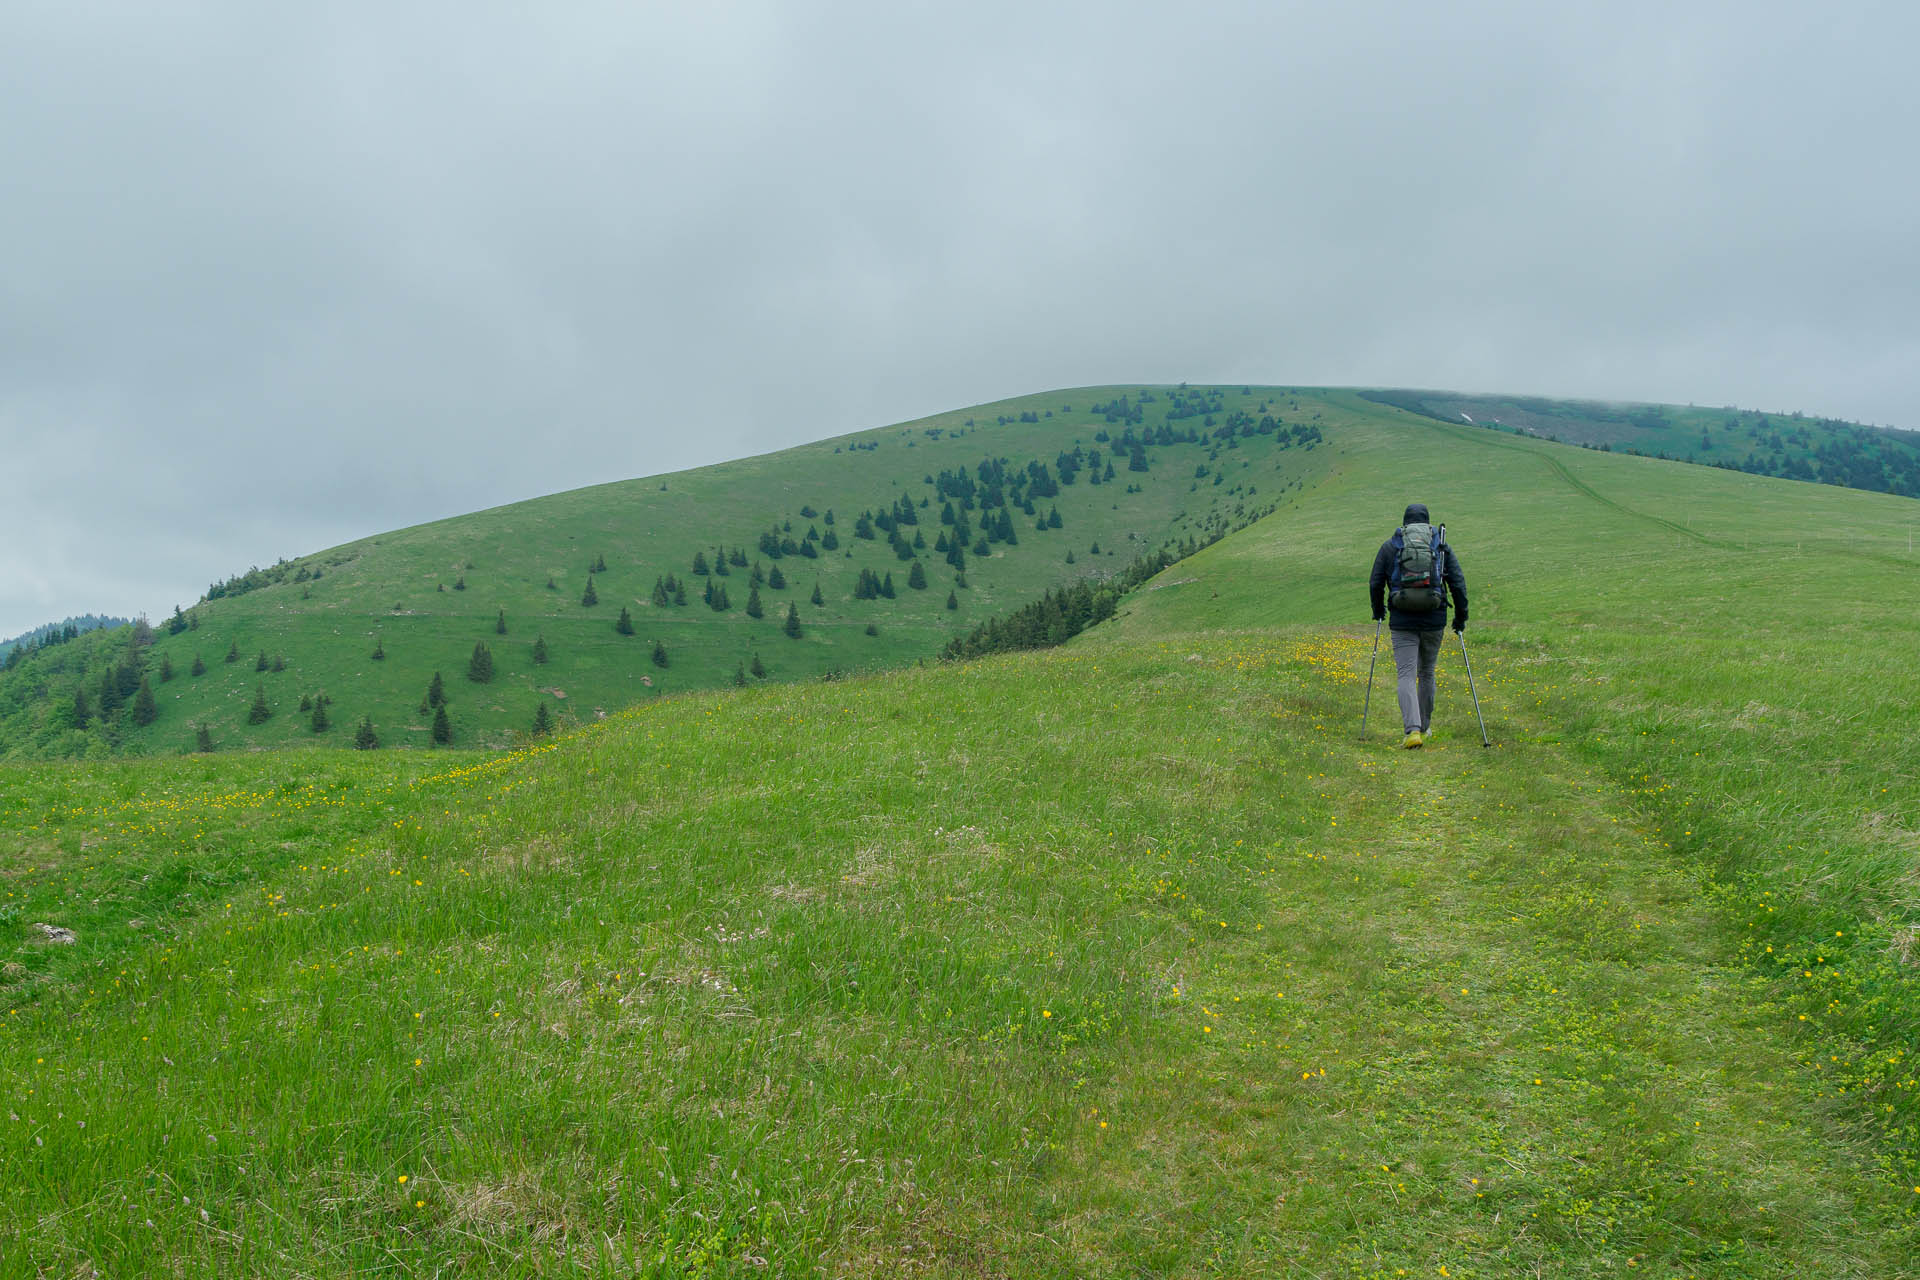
point(816, 597)
point(262, 662)
point(145, 710)
point(306, 702)
point(177, 623)
point(379, 649)
point(442, 727)
point(753, 603)
point(659, 654)
point(680, 593)
point(758, 576)
point(542, 722)
point(599, 564)
point(589, 597)
point(700, 563)
point(364, 738)
point(199, 667)
point(625, 625)
point(756, 668)
point(539, 651)
point(500, 623)
point(81, 711)
point(953, 601)
point(202, 738)
point(233, 652)
point(917, 577)
point(873, 629)
point(740, 675)
point(259, 712)
point(480, 665)
point(1069, 557)
point(830, 541)
point(720, 569)
point(792, 624)
point(886, 586)
point(551, 584)
point(827, 519)
point(960, 581)
point(279, 662)
point(436, 691)
point(776, 581)
point(166, 667)
point(1053, 518)
point(660, 598)
point(320, 722)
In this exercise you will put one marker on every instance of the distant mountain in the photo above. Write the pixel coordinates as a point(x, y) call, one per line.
point(1792, 446)
point(76, 626)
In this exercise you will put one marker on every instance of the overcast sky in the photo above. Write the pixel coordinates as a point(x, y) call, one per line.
point(273, 277)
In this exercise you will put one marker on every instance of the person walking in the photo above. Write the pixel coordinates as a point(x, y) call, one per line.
point(1414, 575)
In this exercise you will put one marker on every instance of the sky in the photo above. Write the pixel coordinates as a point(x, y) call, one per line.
point(274, 277)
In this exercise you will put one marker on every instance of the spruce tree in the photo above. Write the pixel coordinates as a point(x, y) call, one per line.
point(379, 649)
point(625, 625)
point(1069, 557)
point(599, 565)
point(442, 727)
point(740, 675)
point(816, 597)
point(306, 702)
point(233, 652)
point(792, 625)
point(953, 601)
point(436, 691)
point(660, 598)
point(166, 667)
point(886, 586)
point(873, 629)
point(589, 597)
point(480, 665)
point(700, 564)
point(320, 721)
point(659, 654)
point(917, 577)
point(262, 662)
point(279, 662)
point(80, 710)
point(177, 623)
point(776, 581)
point(542, 721)
point(830, 542)
point(539, 651)
point(202, 738)
point(753, 603)
point(680, 593)
point(259, 712)
point(721, 602)
point(145, 709)
point(199, 667)
point(756, 668)
point(364, 738)
point(500, 623)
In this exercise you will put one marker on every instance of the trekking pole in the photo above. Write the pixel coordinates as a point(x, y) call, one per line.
point(1368, 706)
point(1484, 740)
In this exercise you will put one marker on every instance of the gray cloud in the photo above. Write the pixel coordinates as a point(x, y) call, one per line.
point(274, 278)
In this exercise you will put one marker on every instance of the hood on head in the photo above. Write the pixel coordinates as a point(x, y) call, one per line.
point(1416, 514)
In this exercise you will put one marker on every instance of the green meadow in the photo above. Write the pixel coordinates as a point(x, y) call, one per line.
point(1131, 957)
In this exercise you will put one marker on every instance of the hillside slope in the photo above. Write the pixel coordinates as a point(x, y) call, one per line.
point(1129, 957)
point(423, 598)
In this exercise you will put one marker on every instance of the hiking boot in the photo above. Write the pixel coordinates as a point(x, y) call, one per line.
point(1414, 739)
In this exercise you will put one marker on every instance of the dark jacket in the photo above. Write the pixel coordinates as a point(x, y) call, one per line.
point(1455, 585)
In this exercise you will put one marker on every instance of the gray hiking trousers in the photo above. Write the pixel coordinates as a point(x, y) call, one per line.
point(1414, 653)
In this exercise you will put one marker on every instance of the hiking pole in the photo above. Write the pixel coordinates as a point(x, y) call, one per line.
point(1368, 706)
point(1484, 740)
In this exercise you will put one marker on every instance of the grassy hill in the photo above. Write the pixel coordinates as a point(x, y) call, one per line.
point(504, 578)
point(1129, 957)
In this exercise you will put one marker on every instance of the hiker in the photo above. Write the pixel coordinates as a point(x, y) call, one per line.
point(1413, 575)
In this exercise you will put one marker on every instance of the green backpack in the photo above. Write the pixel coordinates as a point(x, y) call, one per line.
point(1417, 582)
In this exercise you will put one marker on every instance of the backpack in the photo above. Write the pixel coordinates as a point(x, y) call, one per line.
point(1416, 581)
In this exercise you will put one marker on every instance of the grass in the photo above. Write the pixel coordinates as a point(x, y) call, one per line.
point(1128, 958)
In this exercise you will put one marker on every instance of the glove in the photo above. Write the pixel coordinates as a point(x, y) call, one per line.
point(1459, 623)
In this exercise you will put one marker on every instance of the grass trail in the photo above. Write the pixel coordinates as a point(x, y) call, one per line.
point(1124, 959)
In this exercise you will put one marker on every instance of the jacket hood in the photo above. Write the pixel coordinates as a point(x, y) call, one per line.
point(1416, 514)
